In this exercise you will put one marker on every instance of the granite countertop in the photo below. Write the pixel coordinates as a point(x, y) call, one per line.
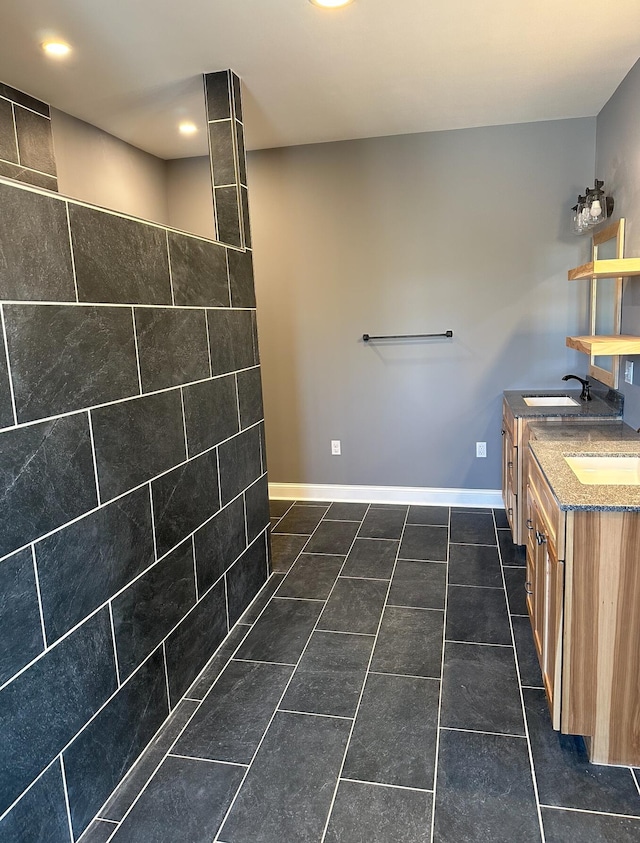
point(583, 431)
point(598, 407)
point(570, 493)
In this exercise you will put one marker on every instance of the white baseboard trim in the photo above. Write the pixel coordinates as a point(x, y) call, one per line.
point(387, 494)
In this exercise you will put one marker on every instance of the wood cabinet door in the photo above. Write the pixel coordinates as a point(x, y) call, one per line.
point(509, 477)
point(552, 644)
point(529, 585)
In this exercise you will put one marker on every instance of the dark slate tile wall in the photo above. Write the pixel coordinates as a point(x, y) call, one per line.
point(133, 489)
point(26, 140)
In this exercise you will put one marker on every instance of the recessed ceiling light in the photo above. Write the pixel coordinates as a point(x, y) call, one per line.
point(331, 4)
point(187, 128)
point(56, 49)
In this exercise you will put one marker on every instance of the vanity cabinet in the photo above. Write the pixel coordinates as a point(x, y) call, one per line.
point(583, 598)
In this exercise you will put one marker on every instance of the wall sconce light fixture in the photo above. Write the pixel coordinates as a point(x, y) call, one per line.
point(591, 209)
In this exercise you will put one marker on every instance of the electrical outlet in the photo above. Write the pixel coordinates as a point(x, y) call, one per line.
point(335, 447)
point(628, 371)
point(481, 449)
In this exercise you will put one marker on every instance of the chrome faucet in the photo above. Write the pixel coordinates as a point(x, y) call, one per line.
point(585, 395)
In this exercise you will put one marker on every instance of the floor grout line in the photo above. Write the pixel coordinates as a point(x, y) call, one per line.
point(384, 784)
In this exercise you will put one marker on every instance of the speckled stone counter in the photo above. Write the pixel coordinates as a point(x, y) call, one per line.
point(569, 491)
point(583, 431)
point(598, 407)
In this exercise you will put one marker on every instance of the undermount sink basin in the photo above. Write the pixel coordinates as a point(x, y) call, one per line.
point(607, 470)
point(550, 401)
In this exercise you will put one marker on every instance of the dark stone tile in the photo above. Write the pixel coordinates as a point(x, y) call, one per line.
point(211, 413)
point(373, 558)
point(472, 528)
point(231, 340)
point(262, 598)
point(137, 440)
point(485, 791)
point(102, 754)
point(472, 510)
point(434, 516)
point(191, 645)
point(566, 826)
point(311, 577)
point(427, 543)
point(228, 215)
point(287, 794)
point(99, 831)
point(516, 595)
point(222, 149)
point(409, 642)
point(394, 738)
point(118, 260)
point(130, 788)
point(418, 584)
point(20, 628)
point(564, 775)
point(379, 815)
point(474, 564)
point(333, 537)
point(212, 671)
point(172, 346)
point(218, 95)
point(477, 615)
point(256, 500)
point(6, 404)
point(347, 511)
point(480, 689)
point(250, 397)
point(198, 272)
point(22, 174)
point(8, 146)
point(183, 499)
point(354, 606)
point(272, 523)
point(54, 351)
point(528, 664)
point(237, 95)
point(46, 479)
point(383, 524)
point(152, 606)
point(285, 550)
point(240, 463)
point(21, 98)
point(230, 722)
point(185, 800)
point(399, 507)
point(41, 815)
point(246, 578)
point(301, 520)
point(330, 675)
point(241, 279)
point(254, 334)
point(242, 165)
point(281, 632)
point(219, 543)
point(48, 704)
point(278, 508)
point(511, 554)
point(86, 563)
point(500, 517)
point(35, 141)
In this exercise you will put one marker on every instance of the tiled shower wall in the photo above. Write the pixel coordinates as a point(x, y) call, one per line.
point(133, 491)
point(26, 140)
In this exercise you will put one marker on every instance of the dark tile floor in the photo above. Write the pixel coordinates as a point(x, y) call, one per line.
point(383, 688)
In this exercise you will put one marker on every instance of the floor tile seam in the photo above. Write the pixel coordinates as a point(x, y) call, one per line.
point(342, 632)
point(405, 675)
point(282, 696)
point(261, 661)
point(364, 684)
point(534, 779)
point(471, 544)
point(385, 784)
point(314, 714)
point(636, 778)
point(371, 579)
point(440, 693)
point(532, 687)
point(300, 599)
point(377, 538)
point(479, 643)
point(343, 520)
point(589, 811)
point(205, 760)
point(413, 608)
point(426, 561)
point(484, 587)
point(482, 732)
point(280, 517)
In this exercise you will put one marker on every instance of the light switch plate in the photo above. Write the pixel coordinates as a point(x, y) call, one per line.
point(628, 371)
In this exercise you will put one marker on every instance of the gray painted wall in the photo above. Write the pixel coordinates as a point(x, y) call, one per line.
point(464, 230)
point(618, 163)
point(189, 197)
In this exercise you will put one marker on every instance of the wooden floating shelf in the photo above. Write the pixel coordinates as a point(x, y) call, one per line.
point(622, 267)
point(603, 345)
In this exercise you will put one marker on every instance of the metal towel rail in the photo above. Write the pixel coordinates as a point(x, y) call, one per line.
point(368, 337)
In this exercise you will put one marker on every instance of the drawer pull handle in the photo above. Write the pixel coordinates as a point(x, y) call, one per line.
point(510, 464)
point(503, 431)
point(529, 524)
point(510, 510)
point(540, 537)
point(527, 587)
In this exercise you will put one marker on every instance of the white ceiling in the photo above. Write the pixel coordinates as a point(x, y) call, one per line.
point(376, 67)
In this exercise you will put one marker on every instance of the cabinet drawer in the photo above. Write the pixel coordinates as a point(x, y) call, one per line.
point(551, 515)
point(508, 421)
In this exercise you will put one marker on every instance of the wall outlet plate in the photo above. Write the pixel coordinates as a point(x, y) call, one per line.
point(628, 371)
point(481, 449)
point(335, 447)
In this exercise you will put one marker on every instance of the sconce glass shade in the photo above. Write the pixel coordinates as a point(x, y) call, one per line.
point(597, 207)
point(578, 224)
